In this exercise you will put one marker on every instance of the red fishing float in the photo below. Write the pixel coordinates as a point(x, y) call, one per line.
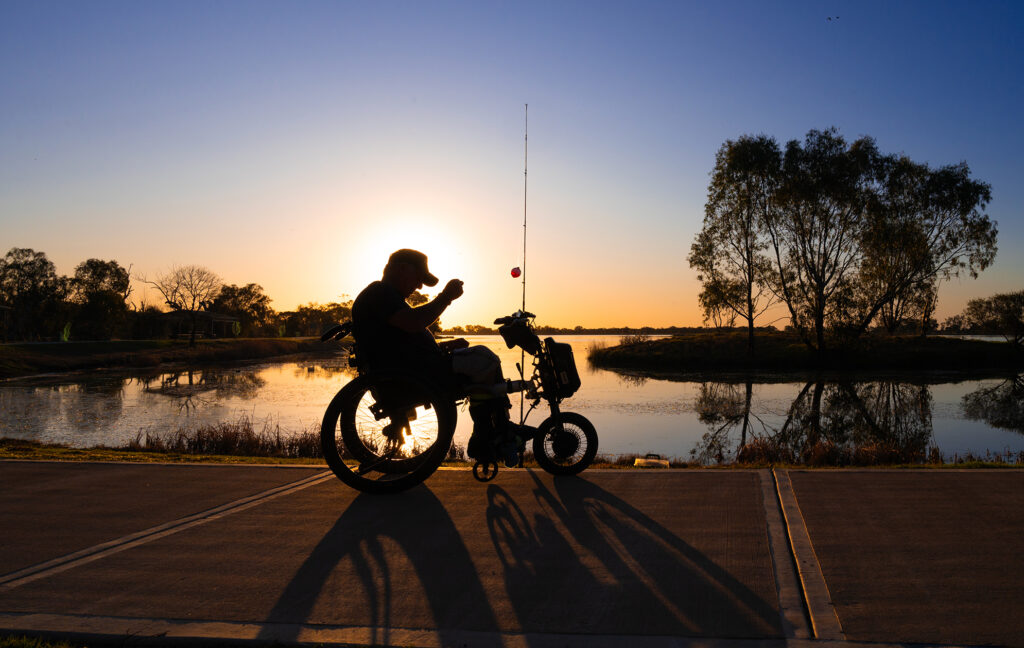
point(516, 272)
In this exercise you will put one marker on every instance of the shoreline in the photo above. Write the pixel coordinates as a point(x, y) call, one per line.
point(782, 354)
point(24, 360)
point(779, 357)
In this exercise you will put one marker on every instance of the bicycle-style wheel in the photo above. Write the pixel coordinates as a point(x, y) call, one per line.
point(565, 444)
point(385, 433)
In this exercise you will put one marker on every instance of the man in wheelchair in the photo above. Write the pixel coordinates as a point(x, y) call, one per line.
point(391, 335)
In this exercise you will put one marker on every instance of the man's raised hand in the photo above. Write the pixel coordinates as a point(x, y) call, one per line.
point(452, 290)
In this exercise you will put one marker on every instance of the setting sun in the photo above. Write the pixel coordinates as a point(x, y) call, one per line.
point(372, 245)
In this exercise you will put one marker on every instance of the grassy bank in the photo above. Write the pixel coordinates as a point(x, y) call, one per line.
point(47, 357)
point(784, 352)
point(20, 641)
point(207, 446)
point(757, 458)
point(35, 451)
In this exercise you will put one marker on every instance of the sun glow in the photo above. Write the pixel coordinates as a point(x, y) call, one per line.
point(371, 247)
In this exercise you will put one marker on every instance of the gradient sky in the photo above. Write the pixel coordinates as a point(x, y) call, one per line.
point(296, 144)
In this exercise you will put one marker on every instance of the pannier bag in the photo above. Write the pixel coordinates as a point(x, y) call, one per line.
point(564, 367)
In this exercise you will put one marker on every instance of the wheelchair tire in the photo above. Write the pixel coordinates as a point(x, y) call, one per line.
point(565, 444)
point(385, 433)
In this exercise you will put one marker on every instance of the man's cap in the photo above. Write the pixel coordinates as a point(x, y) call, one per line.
point(417, 260)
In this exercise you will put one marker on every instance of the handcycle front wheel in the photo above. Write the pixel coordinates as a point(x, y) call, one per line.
point(387, 432)
point(565, 444)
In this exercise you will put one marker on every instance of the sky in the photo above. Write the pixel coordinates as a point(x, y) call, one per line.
point(296, 144)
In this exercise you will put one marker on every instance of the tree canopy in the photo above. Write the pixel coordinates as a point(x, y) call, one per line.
point(249, 304)
point(730, 251)
point(1002, 314)
point(30, 287)
point(842, 234)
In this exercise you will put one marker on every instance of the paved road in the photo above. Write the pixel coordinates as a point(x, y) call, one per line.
point(709, 558)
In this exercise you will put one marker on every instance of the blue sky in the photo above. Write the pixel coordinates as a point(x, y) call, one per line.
point(294, 144)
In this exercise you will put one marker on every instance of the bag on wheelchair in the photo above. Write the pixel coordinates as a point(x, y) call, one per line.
point(563, 366)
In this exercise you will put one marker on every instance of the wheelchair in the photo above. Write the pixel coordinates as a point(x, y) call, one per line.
point(387, 431)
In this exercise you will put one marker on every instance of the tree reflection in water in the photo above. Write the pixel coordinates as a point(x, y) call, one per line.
point(83, 406)
point(723, 408)
point(190, 386)
point(631, 380)
point(828, 423)
point(323, 370)
point(95, 404)
point(1001, 406)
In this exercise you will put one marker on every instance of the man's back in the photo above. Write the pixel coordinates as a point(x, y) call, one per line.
point(382, 344)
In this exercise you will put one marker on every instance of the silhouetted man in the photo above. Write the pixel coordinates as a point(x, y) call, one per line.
point(392, 335)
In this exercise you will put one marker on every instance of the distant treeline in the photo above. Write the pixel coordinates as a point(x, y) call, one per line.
point(95, 304)
point(473, 329)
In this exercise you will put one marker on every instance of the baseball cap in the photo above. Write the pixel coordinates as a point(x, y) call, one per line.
point(417, 260)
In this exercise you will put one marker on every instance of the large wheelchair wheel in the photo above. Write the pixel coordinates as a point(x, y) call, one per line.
point(384, 433)
point(565, 444)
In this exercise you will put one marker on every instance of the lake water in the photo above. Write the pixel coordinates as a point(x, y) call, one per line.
point(707, 417)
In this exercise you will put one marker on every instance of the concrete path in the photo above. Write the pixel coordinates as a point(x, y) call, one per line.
point(179, 553)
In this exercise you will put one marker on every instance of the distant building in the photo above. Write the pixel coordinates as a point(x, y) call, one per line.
point(6, 314)
point(208, 325)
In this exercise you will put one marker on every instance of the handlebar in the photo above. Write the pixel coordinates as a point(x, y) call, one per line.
point(518, 315)
point(337, 332)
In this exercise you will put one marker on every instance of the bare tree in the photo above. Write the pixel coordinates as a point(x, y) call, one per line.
point(189, 289)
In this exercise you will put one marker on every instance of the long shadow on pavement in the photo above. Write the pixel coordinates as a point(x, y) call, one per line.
point(439, 558)
point(541, 555)
point(593, 563)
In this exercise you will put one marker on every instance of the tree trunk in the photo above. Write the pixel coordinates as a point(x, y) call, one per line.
point(819, 332)
point(819, 388)
point(750, 322)
point(746, 415)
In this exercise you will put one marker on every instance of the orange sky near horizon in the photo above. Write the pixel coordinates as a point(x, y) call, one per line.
point(296, 145)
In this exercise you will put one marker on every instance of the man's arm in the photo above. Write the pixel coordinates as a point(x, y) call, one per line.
point(419, 318)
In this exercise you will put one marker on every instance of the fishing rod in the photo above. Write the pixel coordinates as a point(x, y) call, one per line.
point(526, 160)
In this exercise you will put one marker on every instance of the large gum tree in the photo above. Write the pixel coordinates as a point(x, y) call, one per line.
point(729, 253)
point(843, 235)
point(816, 231)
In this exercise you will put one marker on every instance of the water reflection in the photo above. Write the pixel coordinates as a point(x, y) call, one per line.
point(192, 389)
point(715, 417)
point(828, 423)
point(724, 407)
point(632, 380)
point(1000, 406)
point(321, 370)
point(95, 403)
point(229, 383)
point(26, 410)
point(78, 407)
